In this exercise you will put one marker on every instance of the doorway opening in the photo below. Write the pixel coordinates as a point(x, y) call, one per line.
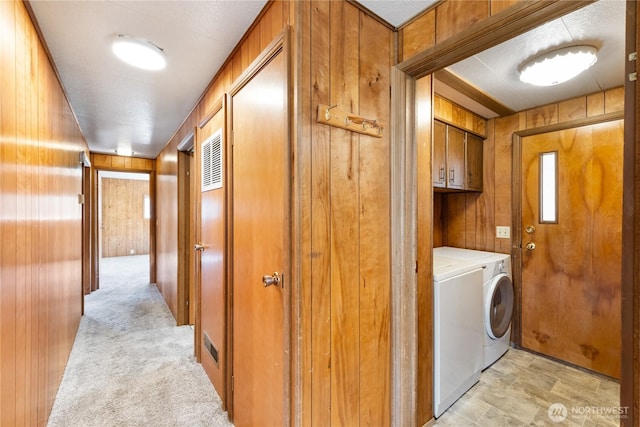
point(124, 212)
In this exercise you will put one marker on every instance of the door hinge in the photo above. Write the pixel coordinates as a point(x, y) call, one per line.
point(633, 56)
point(633, 77)
point(231, 382)
point(187, 303)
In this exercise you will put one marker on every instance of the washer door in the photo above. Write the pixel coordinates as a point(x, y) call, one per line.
point(498, 306)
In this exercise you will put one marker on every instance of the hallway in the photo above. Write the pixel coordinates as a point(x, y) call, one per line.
point(130, 364)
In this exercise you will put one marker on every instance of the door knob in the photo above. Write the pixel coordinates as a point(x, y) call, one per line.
point(530, 246)
point(530, 229)
point(199, 247)
point(271, 280)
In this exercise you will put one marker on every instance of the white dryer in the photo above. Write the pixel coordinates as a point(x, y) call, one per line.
point(498, 306)
point(458, 332)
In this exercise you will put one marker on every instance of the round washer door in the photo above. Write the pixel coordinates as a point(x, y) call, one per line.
point(498, 306)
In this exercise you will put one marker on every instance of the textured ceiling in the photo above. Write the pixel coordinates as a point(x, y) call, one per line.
point(116, 104)
point(119, 105)
point(495, 71)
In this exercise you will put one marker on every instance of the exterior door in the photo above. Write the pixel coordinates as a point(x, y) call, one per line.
point(211, 333)
point(571, 245)
point(261, 244)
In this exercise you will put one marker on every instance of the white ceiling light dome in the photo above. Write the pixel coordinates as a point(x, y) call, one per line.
point(139, 53)
point(558, 66)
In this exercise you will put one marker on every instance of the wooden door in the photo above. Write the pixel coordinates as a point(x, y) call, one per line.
point(571, 279)
point(212, 304)
point(260, 246)
point(455, 158)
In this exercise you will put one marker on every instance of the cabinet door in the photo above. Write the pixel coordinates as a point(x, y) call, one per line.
point(455, 158)
point(473, 163)
point(439, 153)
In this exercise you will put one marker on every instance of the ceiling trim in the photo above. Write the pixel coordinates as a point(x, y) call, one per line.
point(515, 20)
point(472, 92)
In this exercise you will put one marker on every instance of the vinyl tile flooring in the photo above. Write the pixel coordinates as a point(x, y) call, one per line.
point(524, 389)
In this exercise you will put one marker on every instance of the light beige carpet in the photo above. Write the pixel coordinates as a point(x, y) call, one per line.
point(130, 365)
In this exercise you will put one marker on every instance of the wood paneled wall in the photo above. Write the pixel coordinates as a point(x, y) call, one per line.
point(268, 25)
point(342, 56)
point(124, 227)
point(469, 220)
point(40, 223)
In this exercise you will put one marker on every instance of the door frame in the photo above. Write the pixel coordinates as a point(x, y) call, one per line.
point(96, 251)
point(412, 263)
point(280, 45)
point(516, 200)
point(186, 230)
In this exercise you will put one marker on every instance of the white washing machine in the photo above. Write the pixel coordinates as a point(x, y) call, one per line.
point(499, 300)
point(498, 297)
point(458, 331)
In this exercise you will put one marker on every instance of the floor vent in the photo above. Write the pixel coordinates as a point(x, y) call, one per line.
point(213, 351)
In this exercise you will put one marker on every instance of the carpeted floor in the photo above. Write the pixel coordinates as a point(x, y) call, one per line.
point(130, 365)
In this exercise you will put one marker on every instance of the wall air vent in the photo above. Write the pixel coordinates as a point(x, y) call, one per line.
point(211, 349)
point(212, 162)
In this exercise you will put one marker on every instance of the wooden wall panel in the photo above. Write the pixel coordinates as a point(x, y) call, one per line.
point(454, 16)
point(125, 228)
point(40, 223)
point(492, 207)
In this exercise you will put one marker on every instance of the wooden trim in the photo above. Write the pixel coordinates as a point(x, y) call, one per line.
point(403, 246)
point(211, 114)
point(477, 95)
point(516, 209)
point(513, 21)
point(630, 366)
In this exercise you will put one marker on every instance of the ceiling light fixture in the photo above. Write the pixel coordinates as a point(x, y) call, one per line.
point(139, 53)
point(124, 151)
point(558, 66)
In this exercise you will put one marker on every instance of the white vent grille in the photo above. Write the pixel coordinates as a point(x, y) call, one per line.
point(212, 162)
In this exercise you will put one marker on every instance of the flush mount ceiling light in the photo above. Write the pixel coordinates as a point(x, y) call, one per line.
point(139, 53)
point(124, 151)
point(558, 66)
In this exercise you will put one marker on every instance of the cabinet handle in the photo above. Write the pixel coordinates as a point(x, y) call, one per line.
point(452, 175)
point(441, 173)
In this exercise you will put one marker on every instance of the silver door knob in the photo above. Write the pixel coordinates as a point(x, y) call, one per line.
point(530, 246)
point(271, 280)
point(199, 247)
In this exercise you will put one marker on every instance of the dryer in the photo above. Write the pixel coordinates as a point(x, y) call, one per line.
point(498, 306)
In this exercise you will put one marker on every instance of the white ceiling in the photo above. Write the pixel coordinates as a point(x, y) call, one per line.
point(116, 104)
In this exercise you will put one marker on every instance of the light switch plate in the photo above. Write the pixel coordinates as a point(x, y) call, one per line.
point(503, 232)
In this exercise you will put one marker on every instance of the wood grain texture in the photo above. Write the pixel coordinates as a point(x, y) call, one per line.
point(344, 201)
point(40, 223)
point(454, 16)
point(493, 207)
point(427, 237)
point(571, 281)
point(125, 228)
point(418, 35)
point(213, 263)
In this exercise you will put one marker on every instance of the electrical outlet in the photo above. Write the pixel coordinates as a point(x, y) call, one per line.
point(503, 232)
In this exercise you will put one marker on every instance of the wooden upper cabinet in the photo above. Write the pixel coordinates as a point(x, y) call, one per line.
point(439, 155)
point(457, 159)
point(473, 162)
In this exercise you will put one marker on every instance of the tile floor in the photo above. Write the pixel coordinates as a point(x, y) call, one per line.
point(519, 389)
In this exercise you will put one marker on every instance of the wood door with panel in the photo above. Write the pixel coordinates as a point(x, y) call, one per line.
point(211, 280)
point(571, 245)
point(261, 244)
